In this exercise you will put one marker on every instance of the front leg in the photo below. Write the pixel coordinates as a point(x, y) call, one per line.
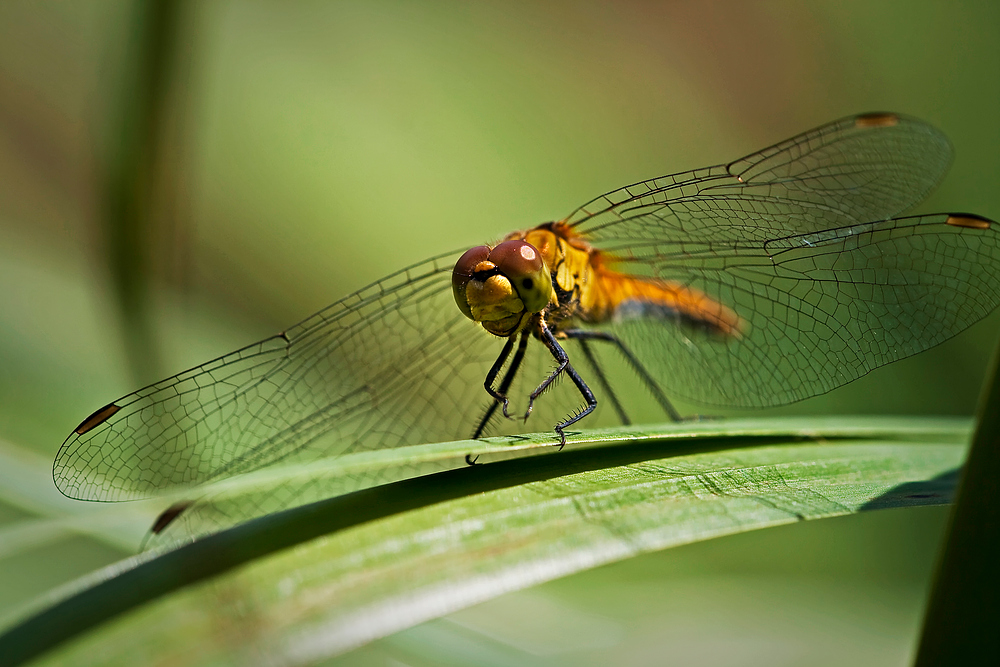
point(563, 360)
point(491, 376)
point(500, 394)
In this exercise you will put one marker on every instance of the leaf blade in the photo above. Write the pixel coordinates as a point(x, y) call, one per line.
point(506, 526)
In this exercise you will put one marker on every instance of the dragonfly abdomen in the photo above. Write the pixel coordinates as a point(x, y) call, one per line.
point(630, 297)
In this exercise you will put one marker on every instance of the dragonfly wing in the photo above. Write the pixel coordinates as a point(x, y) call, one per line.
point(819, 309)
point(394, 363)
point(799, 241)
point(857, 169)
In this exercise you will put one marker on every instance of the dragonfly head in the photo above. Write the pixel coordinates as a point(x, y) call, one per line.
point(498, 287)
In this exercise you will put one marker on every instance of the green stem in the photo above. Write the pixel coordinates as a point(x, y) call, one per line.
point(961, 624)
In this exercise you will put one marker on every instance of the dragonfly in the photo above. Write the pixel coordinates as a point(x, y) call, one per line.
point(758, 282)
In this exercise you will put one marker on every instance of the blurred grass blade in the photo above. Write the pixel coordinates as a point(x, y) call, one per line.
point(960, 626)
point(132, 169)
point(26, 484)
point(392, 556)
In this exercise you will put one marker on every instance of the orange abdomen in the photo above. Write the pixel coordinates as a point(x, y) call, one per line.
point(631, 296)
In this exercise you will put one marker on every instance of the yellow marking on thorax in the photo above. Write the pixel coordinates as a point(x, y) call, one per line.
point(570, 257)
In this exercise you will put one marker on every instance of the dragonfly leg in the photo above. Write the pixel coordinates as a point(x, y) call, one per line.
point(603, 380)
point(564, 366)
point(499, 396)
point(647, 379)
point(561, 358)
point(511, 373)
point(501, 393)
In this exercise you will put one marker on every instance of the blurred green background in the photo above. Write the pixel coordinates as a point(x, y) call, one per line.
point(301, 150)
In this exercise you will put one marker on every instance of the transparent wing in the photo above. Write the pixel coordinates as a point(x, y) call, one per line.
point(798, 239)
point(393, 363)
point(854, 170)
point(819, 309)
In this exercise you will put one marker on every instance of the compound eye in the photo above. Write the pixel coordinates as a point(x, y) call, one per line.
point(462, 274)
point(523, 266)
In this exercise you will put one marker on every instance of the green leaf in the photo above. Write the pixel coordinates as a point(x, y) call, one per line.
point(381, 559)
point(221, 505)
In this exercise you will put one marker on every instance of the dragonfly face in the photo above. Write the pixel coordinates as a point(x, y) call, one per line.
point(758, 282)
point(502, 287)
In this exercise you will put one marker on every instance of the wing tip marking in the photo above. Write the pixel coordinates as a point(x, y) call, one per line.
point(168, 515)
point(96, 419)
point(876, 119)
point(968, 220)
